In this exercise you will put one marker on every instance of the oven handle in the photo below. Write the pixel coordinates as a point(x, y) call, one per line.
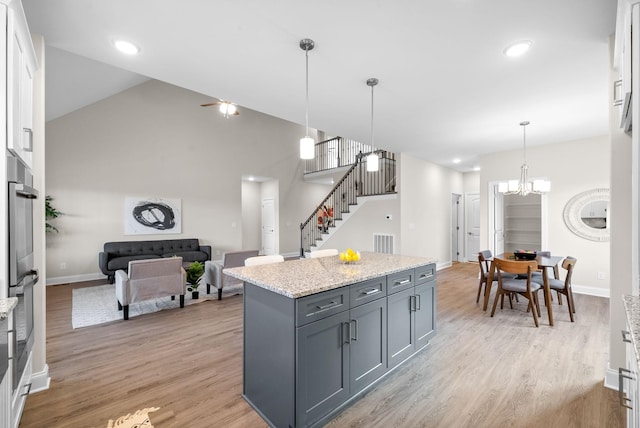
point(25, 191)
point(35, 277)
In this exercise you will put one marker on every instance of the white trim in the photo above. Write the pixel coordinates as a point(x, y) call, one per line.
point(75, 278)
point(611, 379)
point(591, 291)
point(443, 265)
point(40, 381)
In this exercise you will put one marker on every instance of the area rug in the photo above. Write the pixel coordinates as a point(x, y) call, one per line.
point(138, 419)
point(98, 304)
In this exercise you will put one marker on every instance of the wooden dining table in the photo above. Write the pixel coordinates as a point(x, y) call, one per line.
point(544, 262)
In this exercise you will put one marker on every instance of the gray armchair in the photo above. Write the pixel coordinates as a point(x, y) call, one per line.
point(150, 279)
point(214, 270)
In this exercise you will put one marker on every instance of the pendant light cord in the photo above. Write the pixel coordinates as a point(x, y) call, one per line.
point(372, 145)
point(306, 56)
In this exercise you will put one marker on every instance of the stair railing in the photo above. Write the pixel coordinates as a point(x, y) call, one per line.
point(356, 181)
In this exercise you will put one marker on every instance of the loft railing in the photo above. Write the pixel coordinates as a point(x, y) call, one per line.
point(335, 153)
point(357, 181)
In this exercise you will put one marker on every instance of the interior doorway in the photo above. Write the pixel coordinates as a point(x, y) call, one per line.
point(268, 246)
point(472, 210)
point(456, 229)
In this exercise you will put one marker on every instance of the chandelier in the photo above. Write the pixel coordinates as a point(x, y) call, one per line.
point(524, 186)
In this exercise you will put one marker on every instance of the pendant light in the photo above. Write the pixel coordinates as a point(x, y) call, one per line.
point(372, 158)
point(524, 187)
point(307, 144)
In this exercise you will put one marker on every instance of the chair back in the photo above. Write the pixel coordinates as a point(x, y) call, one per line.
point(323, 253)
point(515, 266)
point(483, 259)
point(263, 260)
point(237, 258)
point(569, 263)
point(153, 268)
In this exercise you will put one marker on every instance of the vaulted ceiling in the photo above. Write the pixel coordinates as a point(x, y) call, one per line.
point(446, 88)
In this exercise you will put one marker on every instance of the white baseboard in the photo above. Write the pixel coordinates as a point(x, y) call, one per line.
point(75, 278)
point(591, 291)
point(41, 380)
point(611, 379)
point(443, 265)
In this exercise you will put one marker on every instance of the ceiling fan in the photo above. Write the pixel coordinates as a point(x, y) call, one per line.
point(226, 108)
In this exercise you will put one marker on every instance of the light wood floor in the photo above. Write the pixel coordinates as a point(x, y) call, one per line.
point(477, 372)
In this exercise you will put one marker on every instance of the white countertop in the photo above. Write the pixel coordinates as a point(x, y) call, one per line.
point(6, 306)
point(299, 278)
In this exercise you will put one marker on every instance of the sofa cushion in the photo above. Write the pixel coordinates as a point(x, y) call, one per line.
point(123, 262)
point(189, 256)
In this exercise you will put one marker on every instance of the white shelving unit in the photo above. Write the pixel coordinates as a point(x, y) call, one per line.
point(522, 222)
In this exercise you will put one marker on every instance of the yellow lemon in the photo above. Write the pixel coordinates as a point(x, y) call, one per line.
point(356, 257)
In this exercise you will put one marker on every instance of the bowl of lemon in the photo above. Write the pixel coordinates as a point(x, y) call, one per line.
point(350, 256)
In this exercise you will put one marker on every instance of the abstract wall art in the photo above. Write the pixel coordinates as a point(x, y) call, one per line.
point(151, 216)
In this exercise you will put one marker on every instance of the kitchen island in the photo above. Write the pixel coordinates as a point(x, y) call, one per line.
point(319, 333)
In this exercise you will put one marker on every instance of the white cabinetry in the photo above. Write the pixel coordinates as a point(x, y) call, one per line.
point(21, 65)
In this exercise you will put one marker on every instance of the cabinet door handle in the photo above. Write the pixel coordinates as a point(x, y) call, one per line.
point(625, 337)
point(621, 377)
point(347, 336)
point(30, 132)
point(412, 303)
point(327, 306)
point(404, 281)
point(418, 300)
point(617, 85)
point(370, 292)
point(355, 329)
point(28, 390)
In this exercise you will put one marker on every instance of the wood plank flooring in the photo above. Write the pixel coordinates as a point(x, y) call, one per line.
point(477, 372)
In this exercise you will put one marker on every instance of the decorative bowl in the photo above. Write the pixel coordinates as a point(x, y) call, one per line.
point(525, 254)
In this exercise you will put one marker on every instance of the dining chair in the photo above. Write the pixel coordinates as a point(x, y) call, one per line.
point(564, 287)
point(484, 259)
point(263, 260)
point(509, 285)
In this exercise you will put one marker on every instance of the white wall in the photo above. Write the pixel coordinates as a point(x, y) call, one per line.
point(155, 140)
point(370, 217)
point(572, 167)
point(425, 207)
point(251, 211)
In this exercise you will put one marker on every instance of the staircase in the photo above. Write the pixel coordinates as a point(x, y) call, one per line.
point(342, 200)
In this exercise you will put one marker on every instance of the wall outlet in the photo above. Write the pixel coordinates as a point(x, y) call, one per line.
point(63, 265)
point(600, 275)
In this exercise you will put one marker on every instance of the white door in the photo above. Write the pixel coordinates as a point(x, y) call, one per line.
point(472, 207)
point(268, 227)
point(455, 228)
point(498, 223)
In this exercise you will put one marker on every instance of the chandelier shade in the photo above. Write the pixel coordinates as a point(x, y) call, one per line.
point(524, 186)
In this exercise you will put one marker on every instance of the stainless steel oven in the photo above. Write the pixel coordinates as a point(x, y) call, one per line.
point(22, 272)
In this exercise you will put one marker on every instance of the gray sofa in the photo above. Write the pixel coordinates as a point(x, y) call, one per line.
point(117, 255)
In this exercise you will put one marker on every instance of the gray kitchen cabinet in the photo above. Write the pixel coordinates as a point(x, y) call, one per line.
point(367, 343)
point(322, 375)
point(307, 358)
point(401, 327)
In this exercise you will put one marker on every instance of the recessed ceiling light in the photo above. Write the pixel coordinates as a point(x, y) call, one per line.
point(517, 48)
point(456, 160)
point(476, 168)
point(126, 47)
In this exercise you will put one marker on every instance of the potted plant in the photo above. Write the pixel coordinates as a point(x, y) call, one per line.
point(194, 273)
point(50, 213)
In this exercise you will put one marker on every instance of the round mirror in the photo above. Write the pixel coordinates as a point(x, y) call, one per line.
point(587, 214)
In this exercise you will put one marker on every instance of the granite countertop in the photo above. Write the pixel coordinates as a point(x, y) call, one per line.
point(6, 306)
point(299, 278)
point(632, 308)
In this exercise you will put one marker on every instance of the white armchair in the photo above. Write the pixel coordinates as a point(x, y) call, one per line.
point(214, 270)
point(150, 279)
